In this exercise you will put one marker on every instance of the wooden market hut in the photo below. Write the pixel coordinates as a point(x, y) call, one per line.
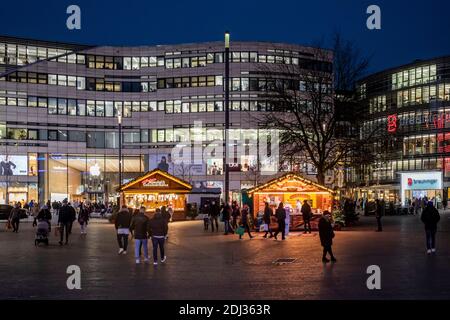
point(291, 189)
point(155, 189)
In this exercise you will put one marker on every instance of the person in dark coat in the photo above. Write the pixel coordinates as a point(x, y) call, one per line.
point(306, 214)
point(268, 213)
point(139, 228)
point(66, 217)
point(214, 212)
point(83, 219)
point(430, 218)
point(379, 213)
point(157, 229)
point(14, 217)
point(326, 235)
point(165, 215)
point(122, 224)
point(245, 212)
point(226, 215)
point(280, 214)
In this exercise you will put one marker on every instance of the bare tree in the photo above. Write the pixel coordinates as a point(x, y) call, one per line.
point(315, 108)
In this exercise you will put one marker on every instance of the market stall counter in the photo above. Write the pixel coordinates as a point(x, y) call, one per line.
point(292, 189)
point(155, 189)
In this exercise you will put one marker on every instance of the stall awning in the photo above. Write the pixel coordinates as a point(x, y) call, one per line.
point(156, 181)
point(290, 182)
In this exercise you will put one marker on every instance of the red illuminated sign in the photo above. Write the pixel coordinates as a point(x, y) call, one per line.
point(392, 123)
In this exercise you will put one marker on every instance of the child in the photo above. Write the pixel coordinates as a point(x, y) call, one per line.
point(205, 221)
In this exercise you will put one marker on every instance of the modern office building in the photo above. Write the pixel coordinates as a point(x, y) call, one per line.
point(59, 107)
point(411, 105)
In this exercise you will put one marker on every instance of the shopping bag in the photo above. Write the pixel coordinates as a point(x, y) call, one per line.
point(8, 225)
point(240, 230)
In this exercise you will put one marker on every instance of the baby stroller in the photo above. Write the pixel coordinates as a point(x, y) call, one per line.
point(43, 229)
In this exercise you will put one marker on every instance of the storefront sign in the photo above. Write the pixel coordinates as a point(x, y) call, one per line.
point(420, 180)
point(152, 182)
point(431, 121)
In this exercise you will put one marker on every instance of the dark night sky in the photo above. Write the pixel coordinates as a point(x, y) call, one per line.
point(414, 29)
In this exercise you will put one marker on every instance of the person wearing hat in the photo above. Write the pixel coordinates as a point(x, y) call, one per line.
point(65, 219)
point(326, 235)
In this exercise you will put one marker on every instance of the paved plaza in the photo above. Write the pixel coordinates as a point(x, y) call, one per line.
point(206, 265)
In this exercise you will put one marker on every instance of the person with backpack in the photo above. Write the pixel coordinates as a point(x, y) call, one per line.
point(139, 229)
point(158, 229)
point(430, 218)
point(280, 214)
point(122, 224)
point(66, 217)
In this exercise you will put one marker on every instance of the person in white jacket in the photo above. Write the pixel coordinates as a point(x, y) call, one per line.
point(288, 210)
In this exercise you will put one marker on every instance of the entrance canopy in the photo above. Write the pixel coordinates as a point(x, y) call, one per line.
point(154, 189)
point(290, 189)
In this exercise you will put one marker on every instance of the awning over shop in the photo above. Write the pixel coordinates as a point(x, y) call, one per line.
point(156, 181)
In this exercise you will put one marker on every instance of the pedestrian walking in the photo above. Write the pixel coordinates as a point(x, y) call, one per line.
point(268, 213)
point(280, 214)
point(73, 216)
point(139, 229)
point(430, 218)
point(165, 215)
point(306, 214)
point(226, 215)
point(444, 203)
point(122, 224)
point(245, 221)
point(66, 217)
point(214, 211)
point(14, 217)
point(158, 229)
point(379, 213)
point(83, 219)
point(236, 212)
point(326, 235)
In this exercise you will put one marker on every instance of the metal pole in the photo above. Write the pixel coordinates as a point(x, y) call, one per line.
point(119, 120)
point(227, 116)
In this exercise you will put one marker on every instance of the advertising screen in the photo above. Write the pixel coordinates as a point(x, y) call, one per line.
point(13, 165)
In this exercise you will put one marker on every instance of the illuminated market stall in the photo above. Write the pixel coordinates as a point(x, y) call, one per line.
point(292, 189)
point(155, 189)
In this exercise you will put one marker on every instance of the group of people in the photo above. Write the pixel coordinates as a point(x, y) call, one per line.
point(136, 223)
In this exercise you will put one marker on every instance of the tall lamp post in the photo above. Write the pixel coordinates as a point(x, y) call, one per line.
point(227, 116)
point(119, 122)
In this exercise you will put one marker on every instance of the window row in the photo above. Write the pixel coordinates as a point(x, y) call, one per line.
point(14, 54)
point(414, 76)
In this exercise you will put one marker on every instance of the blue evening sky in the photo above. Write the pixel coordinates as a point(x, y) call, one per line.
point(414, 29)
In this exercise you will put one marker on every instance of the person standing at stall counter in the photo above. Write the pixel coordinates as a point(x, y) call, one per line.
point(306, 214)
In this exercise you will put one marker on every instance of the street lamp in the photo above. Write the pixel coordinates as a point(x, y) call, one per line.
point(227, 115)
point(119, 122)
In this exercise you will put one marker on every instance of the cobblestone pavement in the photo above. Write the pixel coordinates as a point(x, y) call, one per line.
point(206, 265)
